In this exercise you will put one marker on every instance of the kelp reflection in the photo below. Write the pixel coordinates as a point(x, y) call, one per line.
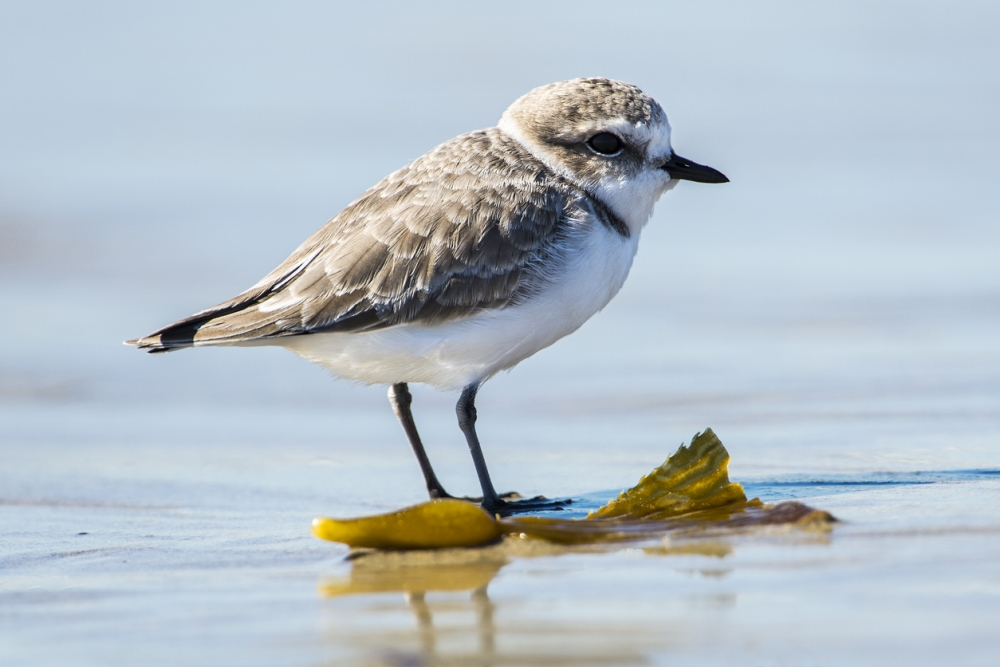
point(453, 620)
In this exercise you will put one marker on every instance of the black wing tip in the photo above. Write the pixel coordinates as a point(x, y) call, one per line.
point(154, 344)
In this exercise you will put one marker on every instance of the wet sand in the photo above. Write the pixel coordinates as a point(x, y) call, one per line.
point(211, 563)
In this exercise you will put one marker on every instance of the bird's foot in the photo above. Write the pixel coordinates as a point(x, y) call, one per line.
point(512, 503)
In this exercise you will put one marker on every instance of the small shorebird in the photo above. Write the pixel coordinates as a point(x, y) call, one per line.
point(471, 258)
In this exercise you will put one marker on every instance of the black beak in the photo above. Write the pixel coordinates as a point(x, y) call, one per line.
point(684, 169)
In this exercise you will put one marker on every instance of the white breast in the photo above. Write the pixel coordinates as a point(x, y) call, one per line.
point(454, 354)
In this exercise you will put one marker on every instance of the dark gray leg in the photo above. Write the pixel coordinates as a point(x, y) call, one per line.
point(400, 398)
point(466, 410)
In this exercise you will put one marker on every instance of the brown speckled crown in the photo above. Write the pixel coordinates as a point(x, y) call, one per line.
point(555, 109)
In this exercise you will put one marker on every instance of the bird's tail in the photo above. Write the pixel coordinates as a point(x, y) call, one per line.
point(233, 321)
point(228, 323)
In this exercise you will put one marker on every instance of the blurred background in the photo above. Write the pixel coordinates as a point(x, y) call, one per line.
point(158, 159)
point(834, 310)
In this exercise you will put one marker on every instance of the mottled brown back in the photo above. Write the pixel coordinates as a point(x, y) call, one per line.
point(466, 226)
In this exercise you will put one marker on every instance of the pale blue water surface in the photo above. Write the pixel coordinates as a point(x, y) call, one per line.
point(833, 314)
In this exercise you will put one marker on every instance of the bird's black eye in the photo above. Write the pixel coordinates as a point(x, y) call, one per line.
point(605, 143)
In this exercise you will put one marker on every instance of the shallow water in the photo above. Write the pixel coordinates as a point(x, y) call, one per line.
point(833, 314)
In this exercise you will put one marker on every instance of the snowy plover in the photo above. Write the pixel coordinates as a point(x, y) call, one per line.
point(470, 259)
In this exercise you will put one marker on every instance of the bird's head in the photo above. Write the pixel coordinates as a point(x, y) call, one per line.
point(608, 137)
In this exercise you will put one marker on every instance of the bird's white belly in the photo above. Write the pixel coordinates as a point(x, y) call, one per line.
point(453, 354)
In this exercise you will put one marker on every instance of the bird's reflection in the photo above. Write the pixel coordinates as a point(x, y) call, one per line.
point(434, 588)
point(403, 573)
point(482, 607)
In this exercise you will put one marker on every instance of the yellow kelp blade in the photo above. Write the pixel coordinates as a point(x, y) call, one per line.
point(693, 484)
point(437, 524)
point(619, 529)
point(695, 478)
point(690, 490)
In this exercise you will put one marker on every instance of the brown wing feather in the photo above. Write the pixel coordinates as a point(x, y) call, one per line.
point(429, 242)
